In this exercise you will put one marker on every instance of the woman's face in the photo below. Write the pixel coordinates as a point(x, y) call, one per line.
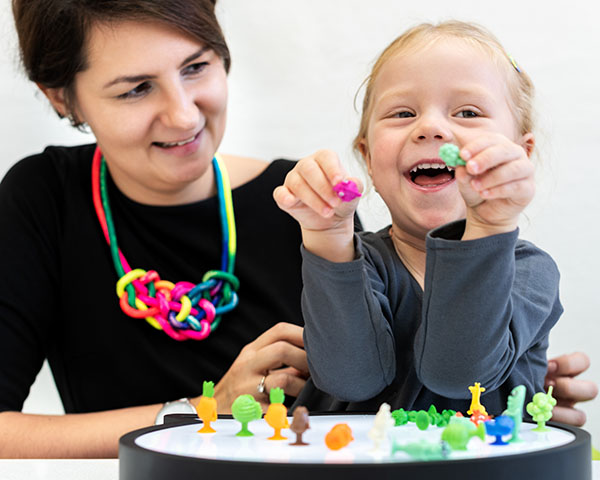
point(156, 101)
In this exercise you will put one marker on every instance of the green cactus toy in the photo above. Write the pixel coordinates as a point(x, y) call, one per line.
point(245, 409)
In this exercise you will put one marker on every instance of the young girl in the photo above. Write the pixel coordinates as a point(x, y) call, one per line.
point(447, 295)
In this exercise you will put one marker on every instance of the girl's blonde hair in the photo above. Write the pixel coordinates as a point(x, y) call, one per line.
point(519, 85)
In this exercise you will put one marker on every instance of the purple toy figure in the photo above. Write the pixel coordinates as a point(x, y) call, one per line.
point(347, 190)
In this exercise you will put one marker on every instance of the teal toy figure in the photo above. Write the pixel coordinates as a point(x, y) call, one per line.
point(540, 409)
point(514, 410)
point(460, 430)
point(423, 450)
point(245, 409)
point(449, 154)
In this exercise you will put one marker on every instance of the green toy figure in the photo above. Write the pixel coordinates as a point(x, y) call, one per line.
point(245, 409)
point(540, 409)
point(460, 430)
point(422, 420)
point(514, 410)
point(423, 450)
point(449, 154)
point(400, 417)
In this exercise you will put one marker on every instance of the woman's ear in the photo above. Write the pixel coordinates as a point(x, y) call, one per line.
point(528, 143)
point(56, 96)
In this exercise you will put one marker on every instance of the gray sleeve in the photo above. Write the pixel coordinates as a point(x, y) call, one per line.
point(347, 333)
point(487, 303)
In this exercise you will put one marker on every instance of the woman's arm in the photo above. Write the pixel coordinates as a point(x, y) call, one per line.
point(85, 435)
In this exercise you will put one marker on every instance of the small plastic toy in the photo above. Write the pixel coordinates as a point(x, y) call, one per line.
point(299, 424)
point(245, 409)
point(476, 391)
point(479, 417)
point(276, 415)
point(339, 436)
point(347, 190)
point(499, 427)
point(422, 420)
point(423, 450)
point(400, 417)
point(207, 407)
point(540, 409)
point(383, 422)
point(514, 410)
point(449, 154)
point(459, 431)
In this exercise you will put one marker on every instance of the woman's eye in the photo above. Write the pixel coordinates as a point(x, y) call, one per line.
point(467, 114)
point(138, 91)
point(404, 114)
point(195, 67)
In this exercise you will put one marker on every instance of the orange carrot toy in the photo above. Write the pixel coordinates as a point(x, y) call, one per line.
point(276, 415)
point(207, 407)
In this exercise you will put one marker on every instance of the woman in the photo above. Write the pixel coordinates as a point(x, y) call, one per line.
point(149, 79)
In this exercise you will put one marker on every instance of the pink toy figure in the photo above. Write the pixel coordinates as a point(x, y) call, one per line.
point(347, 190)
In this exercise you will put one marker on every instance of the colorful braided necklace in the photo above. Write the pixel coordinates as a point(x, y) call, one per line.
point(183, 310)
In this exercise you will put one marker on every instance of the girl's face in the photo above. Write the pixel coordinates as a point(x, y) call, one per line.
point(446, 92)
point(156, 101)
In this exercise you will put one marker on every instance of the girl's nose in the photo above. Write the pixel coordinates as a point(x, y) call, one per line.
point(431, 127)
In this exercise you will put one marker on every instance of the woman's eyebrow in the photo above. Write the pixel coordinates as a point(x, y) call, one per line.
point(144, 76)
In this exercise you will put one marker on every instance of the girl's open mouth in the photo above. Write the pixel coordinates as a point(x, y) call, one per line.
point(431, 174)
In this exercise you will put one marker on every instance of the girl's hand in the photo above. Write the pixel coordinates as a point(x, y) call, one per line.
point(497, 183)
point(307, 195)
point(278, 355)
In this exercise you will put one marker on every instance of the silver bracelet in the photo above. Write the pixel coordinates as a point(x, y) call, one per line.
point(182, 405)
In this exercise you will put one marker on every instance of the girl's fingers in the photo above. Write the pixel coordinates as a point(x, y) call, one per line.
point(285, 199)
point(489, 151)
point(517, 171)
point(519, 192)
point(312, 189)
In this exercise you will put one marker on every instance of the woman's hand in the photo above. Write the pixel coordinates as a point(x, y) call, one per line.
point(568, 390)
point(497, 183)
point(307, 195)
point(278, 355)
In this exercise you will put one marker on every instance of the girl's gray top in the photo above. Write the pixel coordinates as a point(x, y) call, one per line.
point(373, 335)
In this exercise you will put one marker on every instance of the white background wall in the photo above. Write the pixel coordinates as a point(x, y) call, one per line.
point(296, 68)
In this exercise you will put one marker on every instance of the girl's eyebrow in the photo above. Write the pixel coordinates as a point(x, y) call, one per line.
point(144, 77)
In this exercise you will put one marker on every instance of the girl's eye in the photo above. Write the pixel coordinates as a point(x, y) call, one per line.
point(404, 114)
point(138, 91)
point(195, 68)
point(467, 114)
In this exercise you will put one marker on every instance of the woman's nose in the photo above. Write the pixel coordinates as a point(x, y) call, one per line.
point(180, 110)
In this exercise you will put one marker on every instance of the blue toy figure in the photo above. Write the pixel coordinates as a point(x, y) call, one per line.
point(502, 425)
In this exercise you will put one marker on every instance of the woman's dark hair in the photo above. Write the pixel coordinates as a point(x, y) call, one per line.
point(53, 33)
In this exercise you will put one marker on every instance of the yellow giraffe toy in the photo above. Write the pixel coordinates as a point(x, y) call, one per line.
point(476, 406)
